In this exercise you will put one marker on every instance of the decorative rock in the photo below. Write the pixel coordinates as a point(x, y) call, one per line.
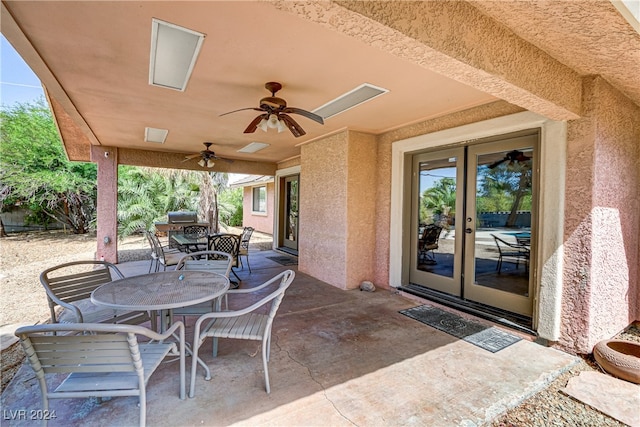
point(619, 358)
point(367, 286)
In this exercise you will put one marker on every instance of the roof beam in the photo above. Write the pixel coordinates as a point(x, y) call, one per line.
point(458, 41)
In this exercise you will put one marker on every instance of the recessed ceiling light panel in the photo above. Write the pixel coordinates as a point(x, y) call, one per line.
point(353, 98)
point(155, 135)
point(253, 147)
point(174, 51)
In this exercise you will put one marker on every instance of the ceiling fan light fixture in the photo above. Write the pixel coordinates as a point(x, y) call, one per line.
point(263, 125)
point(273, 121)
point(210, 163)
point(202, 163)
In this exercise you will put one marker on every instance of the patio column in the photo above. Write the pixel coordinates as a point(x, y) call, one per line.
point(107, 202)
point(338, 208)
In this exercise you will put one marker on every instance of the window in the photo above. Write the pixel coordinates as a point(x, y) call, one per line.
point(259, 199)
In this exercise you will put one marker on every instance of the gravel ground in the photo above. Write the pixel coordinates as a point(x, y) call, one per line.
point(24, 256)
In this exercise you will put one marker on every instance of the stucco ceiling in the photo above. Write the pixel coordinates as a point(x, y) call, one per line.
point(98, 52)
point(93, 59)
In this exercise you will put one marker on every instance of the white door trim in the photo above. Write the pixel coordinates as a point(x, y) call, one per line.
point(280, 173)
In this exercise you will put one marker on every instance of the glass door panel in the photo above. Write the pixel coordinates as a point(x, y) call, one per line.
point(290, 237)
point(437, 199)
point(500, 214)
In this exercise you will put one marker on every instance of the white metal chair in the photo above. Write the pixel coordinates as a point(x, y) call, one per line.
point(70, 285)
point(214, 261)
point(244, 324)
point(166, 257)
point(101, 360)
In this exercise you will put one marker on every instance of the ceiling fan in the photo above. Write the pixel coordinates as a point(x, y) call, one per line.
point(276, 114)
point(511, 157)
point(208, 157)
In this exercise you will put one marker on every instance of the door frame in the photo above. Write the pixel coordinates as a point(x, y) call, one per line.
point(550, 234)
point(278, 205)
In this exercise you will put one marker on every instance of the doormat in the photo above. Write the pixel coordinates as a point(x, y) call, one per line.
point(489, 338)
point(284, 260)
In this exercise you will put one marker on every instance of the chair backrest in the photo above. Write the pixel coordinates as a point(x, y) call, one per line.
point(152, 244)
point(215, 261)
point(246, 236)
point(431, 234)
point(158, 246)
point(196, 230)
point(102, 359)
point(502, 244)
point(286, 278)
point(229, 243)
point(74, 281)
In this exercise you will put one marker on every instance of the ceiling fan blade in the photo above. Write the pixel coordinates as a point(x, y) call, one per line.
point(241, 109)
point(498, 163)
point(305, 113)
point(254, 123)
point(192, 156)
point(293, 126)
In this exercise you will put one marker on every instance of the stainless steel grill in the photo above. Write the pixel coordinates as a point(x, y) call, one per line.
point(182, 217)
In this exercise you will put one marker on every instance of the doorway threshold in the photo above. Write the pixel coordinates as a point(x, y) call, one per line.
point(501, 317)
point(287, 250)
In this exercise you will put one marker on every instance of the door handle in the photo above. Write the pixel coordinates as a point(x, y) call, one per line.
point(468, 230)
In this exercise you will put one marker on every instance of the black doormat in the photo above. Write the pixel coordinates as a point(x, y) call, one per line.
point(284, 260)
point(489, 338)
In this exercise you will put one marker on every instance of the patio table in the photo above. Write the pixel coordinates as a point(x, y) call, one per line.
point(162, 291)
point(190, 243)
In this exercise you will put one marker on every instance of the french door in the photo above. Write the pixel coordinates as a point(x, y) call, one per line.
point(290, 213)
point(473, 217)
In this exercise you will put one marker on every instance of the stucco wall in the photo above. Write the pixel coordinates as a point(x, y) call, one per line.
point(338, 208)
point(323, 209)
point(601, 290)
point(261, 222)
point(361, 208)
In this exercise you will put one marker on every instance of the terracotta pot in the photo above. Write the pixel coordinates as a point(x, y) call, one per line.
point(619, 358)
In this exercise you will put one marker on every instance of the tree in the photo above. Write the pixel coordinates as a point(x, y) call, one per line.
point(34, 171)
point(506, 187)
point(439, 201)
point(145, 195)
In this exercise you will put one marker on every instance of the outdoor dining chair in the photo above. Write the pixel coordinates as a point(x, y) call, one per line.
point(511, 252)
point(101, 360)
point(244, 324)
point(228, 243)
point(213, 261)
point(244, 246)
point(165, 256)
point(427, 243)
point(70, 285)
point(196, 232)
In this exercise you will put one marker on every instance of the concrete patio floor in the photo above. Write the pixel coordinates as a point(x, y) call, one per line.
point(337, 358)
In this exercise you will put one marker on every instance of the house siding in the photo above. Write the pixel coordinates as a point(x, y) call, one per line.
point(259, 221)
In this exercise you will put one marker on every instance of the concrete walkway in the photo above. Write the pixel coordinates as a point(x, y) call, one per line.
point(338, 358)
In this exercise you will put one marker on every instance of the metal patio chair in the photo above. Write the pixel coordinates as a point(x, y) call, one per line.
point(214, 261)
point(228, 243)
point(427, 243)
point(244, 245)
point(70, 286)
point(101, 360)
point(511, 252)
point(243, 324)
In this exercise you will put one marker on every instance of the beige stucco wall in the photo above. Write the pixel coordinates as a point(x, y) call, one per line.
point(338, 208)
point(261, 222)
point(601, 290)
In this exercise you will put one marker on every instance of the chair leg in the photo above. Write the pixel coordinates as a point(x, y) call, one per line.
point(265, 358)
point(143, 406)
point(248, 265)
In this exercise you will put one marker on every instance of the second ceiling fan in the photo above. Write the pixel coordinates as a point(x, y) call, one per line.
point(276, 114)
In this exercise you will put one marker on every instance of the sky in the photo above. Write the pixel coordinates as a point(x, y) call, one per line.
point(18, 84)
